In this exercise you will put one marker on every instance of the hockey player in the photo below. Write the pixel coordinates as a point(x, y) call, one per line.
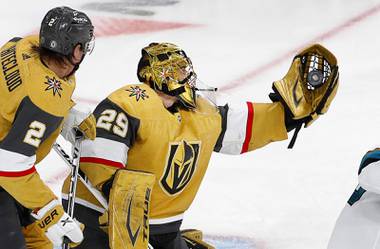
point(156, 139)
point(358, 225)
point(36, 84)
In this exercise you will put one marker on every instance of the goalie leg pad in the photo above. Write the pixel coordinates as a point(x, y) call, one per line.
point(129, 205)
point(194, 239)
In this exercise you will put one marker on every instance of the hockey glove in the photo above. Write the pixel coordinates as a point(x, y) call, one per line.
point(308, 88)
point(57, 224)
point(82, 120)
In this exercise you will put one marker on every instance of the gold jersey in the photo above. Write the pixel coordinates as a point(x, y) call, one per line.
point(135, 131)
point(34, 102)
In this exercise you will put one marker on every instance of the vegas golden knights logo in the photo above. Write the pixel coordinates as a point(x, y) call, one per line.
point(180, 166)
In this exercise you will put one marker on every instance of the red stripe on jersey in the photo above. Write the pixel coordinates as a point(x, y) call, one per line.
point(18, 173)
point(248, 129)
point(101, 161)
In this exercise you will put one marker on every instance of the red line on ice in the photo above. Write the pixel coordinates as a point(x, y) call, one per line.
point(242, 80)
point(110, 26)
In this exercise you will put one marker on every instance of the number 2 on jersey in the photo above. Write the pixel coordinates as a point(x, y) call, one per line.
point(35, 133)
point(111, 119)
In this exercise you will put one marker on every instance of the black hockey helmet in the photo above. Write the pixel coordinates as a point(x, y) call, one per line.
point(63, 28)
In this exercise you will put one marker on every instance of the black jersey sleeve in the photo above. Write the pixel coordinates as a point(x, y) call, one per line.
point(30, 128)
point(113, 123)
point(223, 110)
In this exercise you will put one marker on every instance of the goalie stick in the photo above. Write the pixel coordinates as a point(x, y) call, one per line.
point(58, 149)
point(73, 163)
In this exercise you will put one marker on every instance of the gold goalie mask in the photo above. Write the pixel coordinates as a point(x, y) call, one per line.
point(308, 88)
point(167, 68)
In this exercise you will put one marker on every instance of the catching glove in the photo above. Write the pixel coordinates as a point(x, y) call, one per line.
point(82, 120)
point(308, 88)
point(57, 224)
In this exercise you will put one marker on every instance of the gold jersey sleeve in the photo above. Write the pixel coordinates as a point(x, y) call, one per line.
point(34, 103)
point(247, 126)
point(268, 125)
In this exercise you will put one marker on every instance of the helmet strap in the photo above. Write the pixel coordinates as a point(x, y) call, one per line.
point(76, 65)
point(174, 92)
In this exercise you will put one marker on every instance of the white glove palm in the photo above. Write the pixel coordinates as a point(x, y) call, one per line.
point(57, 224)
point(79, 118)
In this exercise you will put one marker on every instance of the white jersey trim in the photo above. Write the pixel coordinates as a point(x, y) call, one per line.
point(165, 220)
point(105, 149)
point(15, 162)
point(234, 136)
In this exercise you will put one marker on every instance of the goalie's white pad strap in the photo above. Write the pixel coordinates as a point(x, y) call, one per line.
point(105, 149)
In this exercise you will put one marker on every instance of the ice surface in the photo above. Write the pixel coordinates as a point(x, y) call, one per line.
point(280, 198)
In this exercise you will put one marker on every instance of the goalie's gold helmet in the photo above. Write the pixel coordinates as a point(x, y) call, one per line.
point(166, 68)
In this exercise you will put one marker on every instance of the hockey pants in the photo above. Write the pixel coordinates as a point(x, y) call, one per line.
point(12, 216)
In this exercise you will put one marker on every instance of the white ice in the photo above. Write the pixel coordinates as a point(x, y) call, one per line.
point(280, 198)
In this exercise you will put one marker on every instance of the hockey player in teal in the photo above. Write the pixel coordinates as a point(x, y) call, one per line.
point(358, 225)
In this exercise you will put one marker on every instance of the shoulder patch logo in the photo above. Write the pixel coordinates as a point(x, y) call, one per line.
point(138, 92)
point(54, 85)
point(180, 166)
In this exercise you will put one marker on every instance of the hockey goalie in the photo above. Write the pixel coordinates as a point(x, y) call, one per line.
point(154, 142)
